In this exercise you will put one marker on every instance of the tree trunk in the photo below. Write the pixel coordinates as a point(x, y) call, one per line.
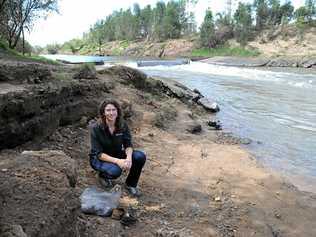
point(23, 42)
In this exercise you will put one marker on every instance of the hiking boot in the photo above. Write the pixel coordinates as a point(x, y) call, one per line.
point(133, 191)
point(104, 182)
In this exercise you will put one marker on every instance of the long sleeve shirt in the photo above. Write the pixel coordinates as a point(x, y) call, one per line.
point(102, 141)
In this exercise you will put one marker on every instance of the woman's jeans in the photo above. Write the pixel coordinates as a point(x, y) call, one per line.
point(112, 171)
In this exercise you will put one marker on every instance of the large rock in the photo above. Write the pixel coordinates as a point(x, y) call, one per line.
point(37, 193)
point(208, 105)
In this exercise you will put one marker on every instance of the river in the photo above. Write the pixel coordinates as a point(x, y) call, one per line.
point(276, 110)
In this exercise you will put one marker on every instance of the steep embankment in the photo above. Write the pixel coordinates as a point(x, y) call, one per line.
point(196, 182)
point(284, 46)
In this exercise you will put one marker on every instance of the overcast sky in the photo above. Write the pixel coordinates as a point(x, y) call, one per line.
point(76, 17)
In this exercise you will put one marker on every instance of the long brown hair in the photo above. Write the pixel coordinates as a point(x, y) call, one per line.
point(119, 120)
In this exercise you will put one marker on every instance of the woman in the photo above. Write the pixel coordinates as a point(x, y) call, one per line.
point(111, 148)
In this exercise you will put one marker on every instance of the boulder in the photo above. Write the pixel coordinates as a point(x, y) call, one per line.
point(37, 193)
point(208, 105)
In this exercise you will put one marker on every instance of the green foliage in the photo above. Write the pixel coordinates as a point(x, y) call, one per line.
point(262, 13)
point(19, 16)
point(74, 45)
point(88, 66)
point(207, 31)
point(224, 51)
point(3, 44)
point(52, 48)
point(243, 23)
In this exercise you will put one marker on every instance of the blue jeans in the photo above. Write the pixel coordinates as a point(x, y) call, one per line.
point(112, 171)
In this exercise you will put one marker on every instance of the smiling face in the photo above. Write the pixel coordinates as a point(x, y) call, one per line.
point(110, 112)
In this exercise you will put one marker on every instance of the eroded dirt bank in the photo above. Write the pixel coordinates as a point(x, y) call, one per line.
point(200, 184)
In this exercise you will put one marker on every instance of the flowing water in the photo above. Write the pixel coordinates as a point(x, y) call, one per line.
point(277, 110)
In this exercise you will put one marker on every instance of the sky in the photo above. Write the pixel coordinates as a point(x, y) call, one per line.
point(77, 16)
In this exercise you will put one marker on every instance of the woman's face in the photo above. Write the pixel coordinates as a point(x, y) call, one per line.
point(110, 113)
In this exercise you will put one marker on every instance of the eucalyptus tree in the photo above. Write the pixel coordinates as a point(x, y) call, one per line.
point(158, 15)
point(287, 10)
point(146, 21)
point(243, 23)
point(171, 21)
point(21, 16)
point(261, 12)
point(207, 31)
point(311, 9)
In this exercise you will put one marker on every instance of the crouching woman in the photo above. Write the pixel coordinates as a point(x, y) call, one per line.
point(111, 148)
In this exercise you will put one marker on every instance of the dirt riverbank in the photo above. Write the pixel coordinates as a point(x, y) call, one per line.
point(200, 184)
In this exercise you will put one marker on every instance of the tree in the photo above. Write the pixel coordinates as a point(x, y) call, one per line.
point(287, 10)
point(22, 14)
point(145, 21)
point(159, 13)
point(262, 13)
point(207, 31)
point(243, 23)
point(274, 12)
point(171, 21)
point(311, 9)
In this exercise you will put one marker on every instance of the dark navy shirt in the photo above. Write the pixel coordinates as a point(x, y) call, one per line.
point(102, 141)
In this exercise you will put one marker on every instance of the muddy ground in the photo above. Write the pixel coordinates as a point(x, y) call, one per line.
point(201, 184)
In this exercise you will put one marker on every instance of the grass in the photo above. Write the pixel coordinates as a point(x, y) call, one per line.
point(224, 51)
point(41, 59)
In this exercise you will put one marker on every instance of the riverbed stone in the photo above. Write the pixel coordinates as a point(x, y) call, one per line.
point(208, 105)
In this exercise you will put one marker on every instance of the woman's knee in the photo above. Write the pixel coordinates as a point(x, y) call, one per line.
point(139, 157)
point(114, 171)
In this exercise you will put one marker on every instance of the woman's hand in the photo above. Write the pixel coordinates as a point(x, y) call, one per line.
point(128, 163)
point(124, 164)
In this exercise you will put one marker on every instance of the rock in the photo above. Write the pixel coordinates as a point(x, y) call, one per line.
point(214, 124)
point(281, 62)
point(213, 107)
point(40, 199)
point(86, 71)
point(308, 63)
point(194, 128)
point(7, 230)
point(217, 199)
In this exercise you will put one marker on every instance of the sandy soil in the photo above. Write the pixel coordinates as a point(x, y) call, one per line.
point(193, 185)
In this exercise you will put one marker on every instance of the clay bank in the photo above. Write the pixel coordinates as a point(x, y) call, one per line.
point(197, 181)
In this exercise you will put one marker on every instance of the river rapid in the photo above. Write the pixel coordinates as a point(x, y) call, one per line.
point(275, 109)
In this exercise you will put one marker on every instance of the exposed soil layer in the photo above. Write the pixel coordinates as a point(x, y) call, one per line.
point(200, 184)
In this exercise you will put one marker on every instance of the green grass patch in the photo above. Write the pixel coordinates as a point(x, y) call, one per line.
point(224, 51)
point(40, 59)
